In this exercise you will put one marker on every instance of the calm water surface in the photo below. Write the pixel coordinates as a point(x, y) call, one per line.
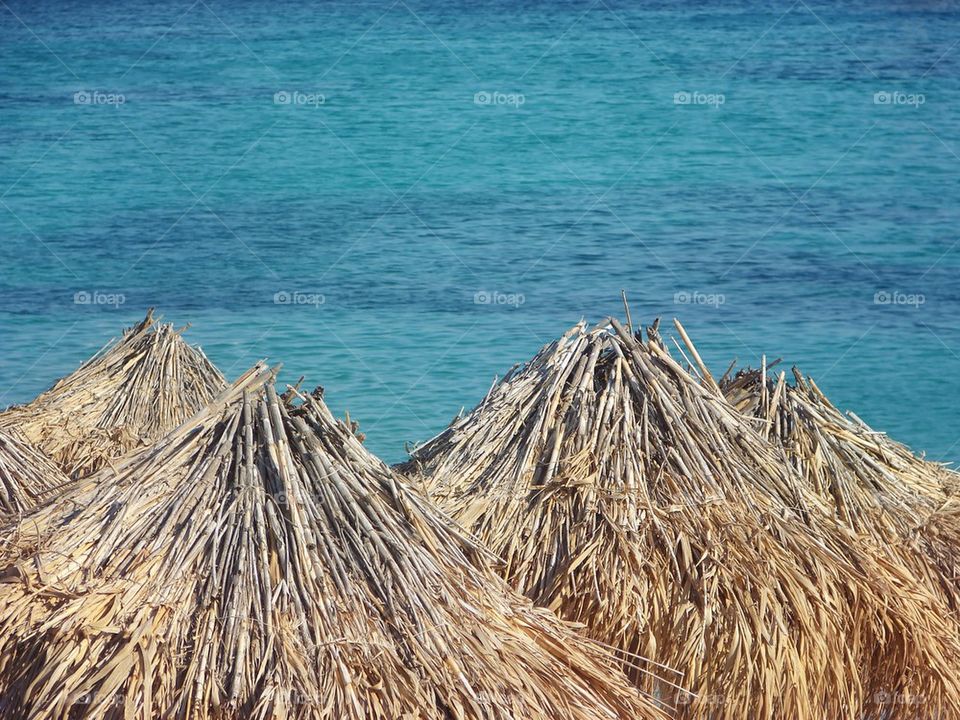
point(441, 188)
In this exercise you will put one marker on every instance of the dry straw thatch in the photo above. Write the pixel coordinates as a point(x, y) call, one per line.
point(27, 476)
point(874, 485)
point(259, 563)
point(625, 492)
point(127, 395)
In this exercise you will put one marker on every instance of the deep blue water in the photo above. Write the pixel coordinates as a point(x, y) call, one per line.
point(736, 156)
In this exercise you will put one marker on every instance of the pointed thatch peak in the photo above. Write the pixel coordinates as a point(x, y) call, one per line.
point(27, 476)
point(623, 491)
point(259, 563)
point(127, 395)
point(873, 484)
point(819, 437)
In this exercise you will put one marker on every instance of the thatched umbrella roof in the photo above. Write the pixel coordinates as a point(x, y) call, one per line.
point(259, 563)
point(27, 476)
point(800, 414)
point(625, 492)
point(873, 484)
point(129, 394)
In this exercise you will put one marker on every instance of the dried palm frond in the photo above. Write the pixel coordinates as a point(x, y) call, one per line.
point(27, 476)
point(874, 484)
point(624, 492)
point(127, 395)
point(258, 563)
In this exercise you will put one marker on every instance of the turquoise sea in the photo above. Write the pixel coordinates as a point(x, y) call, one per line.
point(401, 199)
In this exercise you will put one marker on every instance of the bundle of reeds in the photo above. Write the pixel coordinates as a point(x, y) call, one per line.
point(259, 563)
point(873, 484)
point(27, 476)
point(127, 395)
point(624, 492)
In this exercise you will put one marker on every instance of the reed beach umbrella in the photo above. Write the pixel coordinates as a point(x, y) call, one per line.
point(623, 491)
point(129, 394)
point(258, 563)
point(27, 476)
point(873, 484)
